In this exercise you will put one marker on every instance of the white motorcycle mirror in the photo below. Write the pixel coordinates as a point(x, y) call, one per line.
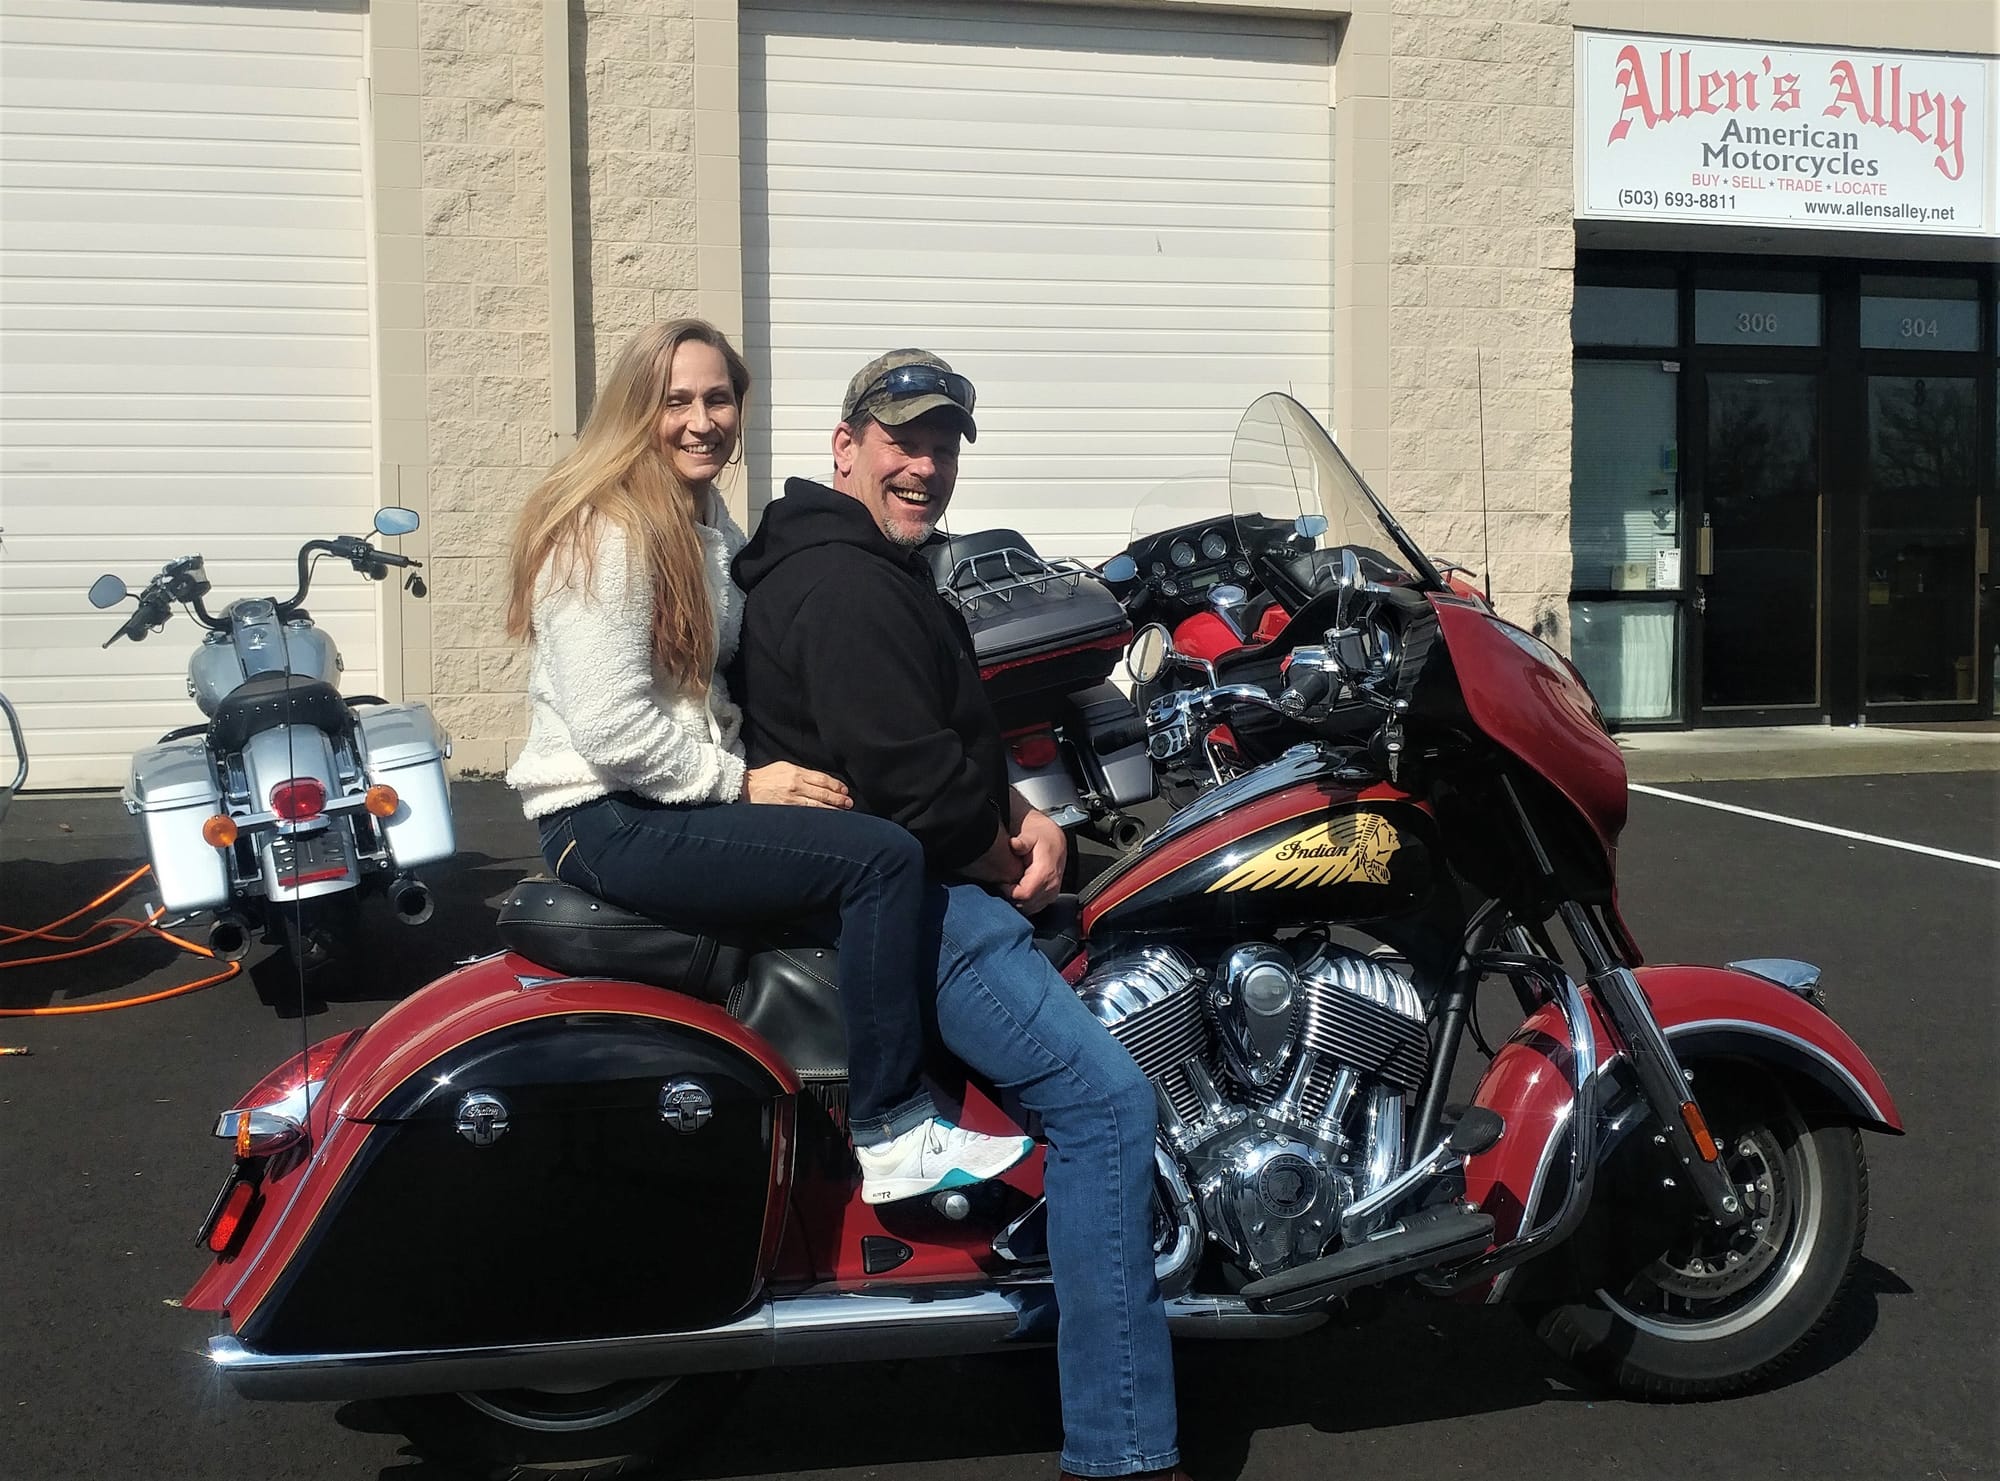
point(107, 591)
point(1119, 568)
point(1147, 658)
point(1310, 526)
point(396, 521)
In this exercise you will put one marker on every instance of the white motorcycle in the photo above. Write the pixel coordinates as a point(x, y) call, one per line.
point(290, 800)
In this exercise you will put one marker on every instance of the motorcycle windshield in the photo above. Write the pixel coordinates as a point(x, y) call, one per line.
point(1178, 502)
point(1286, 476)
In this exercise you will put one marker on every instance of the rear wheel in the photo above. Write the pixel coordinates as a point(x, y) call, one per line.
point(1701, 1310)
point(566, 1435)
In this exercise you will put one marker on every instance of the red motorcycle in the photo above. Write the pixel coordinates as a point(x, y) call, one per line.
point(551, 1204)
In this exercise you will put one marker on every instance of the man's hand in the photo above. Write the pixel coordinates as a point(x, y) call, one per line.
point(1042, 849)
point(998, 866)
point(782, 782)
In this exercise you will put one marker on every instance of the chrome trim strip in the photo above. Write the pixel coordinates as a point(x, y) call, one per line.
point(822, 1326)
point(1812, 1050)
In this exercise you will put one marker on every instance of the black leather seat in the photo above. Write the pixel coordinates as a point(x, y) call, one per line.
point(259, 703)
point(572, 931)
point(783, 989)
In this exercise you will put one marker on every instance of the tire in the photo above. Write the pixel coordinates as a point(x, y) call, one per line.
point(1715, 1312)
point(315, 931)
point(535, 1435)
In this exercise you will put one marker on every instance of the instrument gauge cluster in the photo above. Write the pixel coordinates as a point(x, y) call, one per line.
point(1181, 565)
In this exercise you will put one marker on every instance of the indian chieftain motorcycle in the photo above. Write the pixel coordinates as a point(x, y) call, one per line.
point(550, 1204)
point(289, 798)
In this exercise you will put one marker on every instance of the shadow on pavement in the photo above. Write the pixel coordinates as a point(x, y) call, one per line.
point(1419, 1361)
point(1415, 1362)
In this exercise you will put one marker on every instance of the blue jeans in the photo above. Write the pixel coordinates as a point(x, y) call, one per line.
point(1004, 1011)
point(730, 865)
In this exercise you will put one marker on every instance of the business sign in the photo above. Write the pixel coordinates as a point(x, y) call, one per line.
point(1734, 133)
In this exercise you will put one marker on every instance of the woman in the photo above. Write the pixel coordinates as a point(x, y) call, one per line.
point(633, 768)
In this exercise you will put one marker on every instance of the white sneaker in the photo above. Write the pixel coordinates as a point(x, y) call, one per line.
point(932, 1156)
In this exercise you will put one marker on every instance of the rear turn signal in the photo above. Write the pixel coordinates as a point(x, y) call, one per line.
point(300, 798)
point(381, 801)
point(219, 831)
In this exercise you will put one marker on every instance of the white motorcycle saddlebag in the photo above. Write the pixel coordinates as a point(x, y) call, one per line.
point(172, 792)
point(403, 747)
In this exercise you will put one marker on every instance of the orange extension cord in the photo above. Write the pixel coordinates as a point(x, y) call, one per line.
point(14, 935)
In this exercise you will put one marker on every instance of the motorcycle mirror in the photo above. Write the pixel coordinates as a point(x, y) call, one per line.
point(396, 521)
point(1310, 526)
point(1147, 658)
point(1119, 568)
point(107, 591)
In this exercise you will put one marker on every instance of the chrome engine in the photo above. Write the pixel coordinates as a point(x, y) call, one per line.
point(1281, 1079)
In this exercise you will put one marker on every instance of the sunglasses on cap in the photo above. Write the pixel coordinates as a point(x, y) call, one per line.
point(918, 380)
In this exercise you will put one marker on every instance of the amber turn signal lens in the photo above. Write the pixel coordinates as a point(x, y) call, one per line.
point(1704, 1143)
point(381, 801)
point(219, 831)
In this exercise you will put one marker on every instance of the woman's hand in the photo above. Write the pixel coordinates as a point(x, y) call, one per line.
point(794, 786)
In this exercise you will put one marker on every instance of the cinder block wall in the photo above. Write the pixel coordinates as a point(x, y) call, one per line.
point(487, 292)
point(486, 347)
point(1481, 255)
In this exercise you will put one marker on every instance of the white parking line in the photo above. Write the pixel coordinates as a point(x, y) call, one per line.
point(1771, 817)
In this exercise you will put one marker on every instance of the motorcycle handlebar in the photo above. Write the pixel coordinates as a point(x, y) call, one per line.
point(355, 550)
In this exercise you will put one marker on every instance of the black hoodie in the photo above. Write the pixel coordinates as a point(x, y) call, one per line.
point(851, 663)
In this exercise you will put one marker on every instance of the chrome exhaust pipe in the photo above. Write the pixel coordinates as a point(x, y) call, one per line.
point(229, 937)
point(411, 899)
point(811, 1327)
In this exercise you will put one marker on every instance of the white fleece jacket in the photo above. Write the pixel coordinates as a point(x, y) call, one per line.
point(601, 717)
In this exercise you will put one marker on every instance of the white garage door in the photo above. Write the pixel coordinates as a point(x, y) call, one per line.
point(184, 353)
point(1118, 223)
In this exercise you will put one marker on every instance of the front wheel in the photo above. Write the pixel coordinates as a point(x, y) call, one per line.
point(562, 1435)
point(1704, 1311)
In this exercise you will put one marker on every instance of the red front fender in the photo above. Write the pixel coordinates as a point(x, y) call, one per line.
point(1705, 1011)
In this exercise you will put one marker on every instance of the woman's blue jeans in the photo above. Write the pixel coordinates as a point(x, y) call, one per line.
point(1007, 1013)
point(729, 865)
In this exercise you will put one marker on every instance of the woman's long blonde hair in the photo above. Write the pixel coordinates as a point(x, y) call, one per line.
point(617, 472)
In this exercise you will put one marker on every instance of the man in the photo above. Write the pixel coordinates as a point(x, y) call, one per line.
point(851, 663)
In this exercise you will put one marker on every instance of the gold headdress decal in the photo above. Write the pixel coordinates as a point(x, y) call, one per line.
point(1355, 848)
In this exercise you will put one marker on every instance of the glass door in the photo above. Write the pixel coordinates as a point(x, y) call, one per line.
point(1759, 547)
point(1920, 573)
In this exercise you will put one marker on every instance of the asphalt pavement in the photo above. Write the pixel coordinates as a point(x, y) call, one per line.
point(106, 1166)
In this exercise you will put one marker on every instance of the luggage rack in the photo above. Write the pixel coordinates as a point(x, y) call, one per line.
point(975, 579)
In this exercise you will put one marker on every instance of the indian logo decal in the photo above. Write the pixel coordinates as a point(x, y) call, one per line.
point(1352, 849)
